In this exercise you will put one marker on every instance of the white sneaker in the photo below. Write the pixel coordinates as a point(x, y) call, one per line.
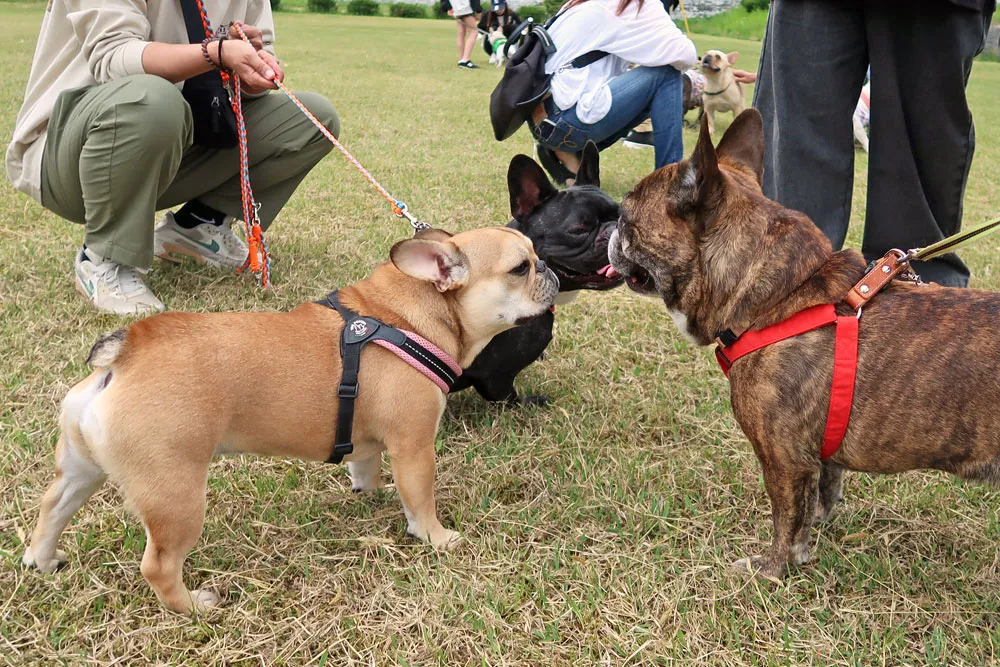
point(113, 287)
point(215, 245)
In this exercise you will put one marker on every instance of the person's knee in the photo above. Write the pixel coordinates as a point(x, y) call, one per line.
point(323, 109)
point(154, 111)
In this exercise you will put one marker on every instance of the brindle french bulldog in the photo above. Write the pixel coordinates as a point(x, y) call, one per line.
point(700, 235)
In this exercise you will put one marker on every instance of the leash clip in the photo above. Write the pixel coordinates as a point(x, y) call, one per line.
point(416, 223)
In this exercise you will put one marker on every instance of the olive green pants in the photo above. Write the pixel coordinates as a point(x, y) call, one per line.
point(118, 152)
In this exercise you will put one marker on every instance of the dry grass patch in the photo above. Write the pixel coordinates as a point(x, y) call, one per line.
point(598, 531)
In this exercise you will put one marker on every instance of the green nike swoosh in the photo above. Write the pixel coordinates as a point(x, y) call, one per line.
point(211, 247)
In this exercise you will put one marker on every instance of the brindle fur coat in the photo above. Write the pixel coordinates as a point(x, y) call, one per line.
point(701, 235)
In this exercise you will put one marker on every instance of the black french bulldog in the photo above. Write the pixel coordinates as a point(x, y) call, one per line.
point(570, 230)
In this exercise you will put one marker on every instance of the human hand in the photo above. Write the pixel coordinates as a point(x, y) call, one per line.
point(451, 12)
point(256, 73)
point(252, 32)
point(743, 76)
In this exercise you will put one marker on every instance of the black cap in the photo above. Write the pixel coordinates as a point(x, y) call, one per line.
point(499, 5)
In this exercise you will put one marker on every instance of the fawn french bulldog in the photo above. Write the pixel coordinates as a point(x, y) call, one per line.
point(170, 392)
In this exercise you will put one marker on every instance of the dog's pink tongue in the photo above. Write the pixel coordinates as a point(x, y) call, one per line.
point(609, 272)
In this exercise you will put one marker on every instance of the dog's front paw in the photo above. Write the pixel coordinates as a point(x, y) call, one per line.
point(365, 475)
point(445, 539)
point(538, 400)
point(46, 565)
point(203, 600)
point(823, 512)
point(760, 566)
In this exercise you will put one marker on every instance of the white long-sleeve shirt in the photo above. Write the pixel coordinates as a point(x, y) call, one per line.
point(644, 36)
point(86, 42)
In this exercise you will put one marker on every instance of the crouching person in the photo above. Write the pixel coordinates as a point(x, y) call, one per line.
point(124, 115)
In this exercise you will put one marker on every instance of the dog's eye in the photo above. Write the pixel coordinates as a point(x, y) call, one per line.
point(521, 269)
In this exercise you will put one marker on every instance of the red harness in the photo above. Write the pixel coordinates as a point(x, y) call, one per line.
point(845, 361)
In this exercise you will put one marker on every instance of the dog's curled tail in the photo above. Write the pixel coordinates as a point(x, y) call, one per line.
point(107, 349)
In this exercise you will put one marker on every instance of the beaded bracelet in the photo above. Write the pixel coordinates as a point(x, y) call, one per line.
point(204, 51)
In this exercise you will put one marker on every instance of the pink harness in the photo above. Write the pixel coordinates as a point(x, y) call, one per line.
point(421, 364)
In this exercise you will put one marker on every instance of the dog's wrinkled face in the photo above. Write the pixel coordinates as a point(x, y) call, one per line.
point(717, 61)
point(569, 228)
point(494, 276)
point(669, 241)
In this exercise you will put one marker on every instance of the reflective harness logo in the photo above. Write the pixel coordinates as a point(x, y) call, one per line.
point(359, 328)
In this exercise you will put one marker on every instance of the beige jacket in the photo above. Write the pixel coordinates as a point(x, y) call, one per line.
point(87, 42)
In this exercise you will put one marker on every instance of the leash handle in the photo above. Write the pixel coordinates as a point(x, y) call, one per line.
point(398, 206)
point(258, 258)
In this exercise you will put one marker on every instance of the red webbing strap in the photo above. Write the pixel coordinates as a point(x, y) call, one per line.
point(799, 323)
point(845, 362)
point(845, 367)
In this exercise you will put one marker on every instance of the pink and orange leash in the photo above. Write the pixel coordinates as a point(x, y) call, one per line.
point(259, 260)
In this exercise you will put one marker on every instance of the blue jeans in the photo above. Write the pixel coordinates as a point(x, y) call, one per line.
point(638, 94)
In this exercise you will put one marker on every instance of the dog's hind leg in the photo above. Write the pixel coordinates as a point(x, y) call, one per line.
point(171, 504)
point(831, 490)
point(77, 478)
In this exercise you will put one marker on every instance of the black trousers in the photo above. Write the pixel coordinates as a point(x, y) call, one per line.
point(812, 67)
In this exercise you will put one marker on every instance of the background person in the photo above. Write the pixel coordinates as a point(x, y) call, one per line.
point(499, 17)
point(603, 101)
point(812, 68)
point(466, 14)
point(105, 138)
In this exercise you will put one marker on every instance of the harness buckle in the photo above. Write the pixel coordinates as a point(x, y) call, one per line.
point(347, 390)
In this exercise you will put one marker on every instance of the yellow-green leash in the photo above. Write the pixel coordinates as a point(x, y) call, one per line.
point(953, 242)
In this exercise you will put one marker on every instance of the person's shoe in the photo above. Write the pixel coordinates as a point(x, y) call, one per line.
point(113, 287)
point(467, 64)
point(215, 245)
point(557, 170)
point(638, 140)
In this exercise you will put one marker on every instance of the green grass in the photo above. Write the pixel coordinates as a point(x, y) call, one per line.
point(737, 23)
point(598, 531)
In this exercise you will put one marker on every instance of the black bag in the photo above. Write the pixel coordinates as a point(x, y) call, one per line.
point(211, 110)
point(524, 81)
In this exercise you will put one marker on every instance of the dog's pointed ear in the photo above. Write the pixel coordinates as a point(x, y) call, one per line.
point(743, 142)
point(528, 186)
point(433, 234)
point(438, 262)
point(705, 161)
point(732, 56)
point(589, 172)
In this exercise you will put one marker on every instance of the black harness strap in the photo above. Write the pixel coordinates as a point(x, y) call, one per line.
point(358, 332)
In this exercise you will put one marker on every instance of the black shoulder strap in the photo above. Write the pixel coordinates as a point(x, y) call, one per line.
point(347, 391)
point(358, 332)
point(192, 21)
point(588, 58)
